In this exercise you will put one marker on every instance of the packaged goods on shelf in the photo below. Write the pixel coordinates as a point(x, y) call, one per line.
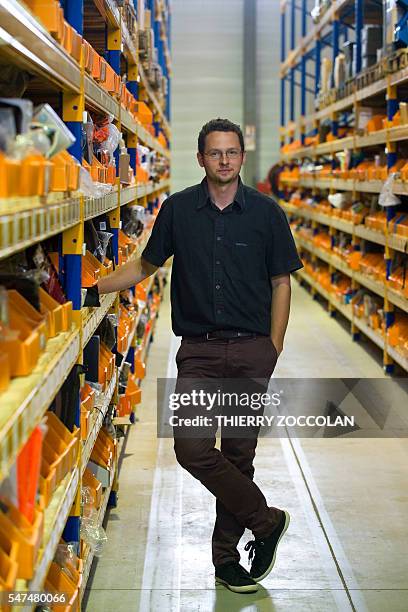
point(33, 156)
point(372, 39)
point(92, 533)
point(344, 172)
point(320, 7)
point(367, 306)
point(397, 334)
point(340, 70)
point(325, 75)
point(57, 194)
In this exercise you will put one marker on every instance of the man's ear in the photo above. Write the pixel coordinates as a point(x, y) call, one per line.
point(244, 157)
point(200, 159)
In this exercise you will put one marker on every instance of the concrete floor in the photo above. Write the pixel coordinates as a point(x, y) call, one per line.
point(348, 498)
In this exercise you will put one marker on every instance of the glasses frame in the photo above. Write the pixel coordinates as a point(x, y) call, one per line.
point(229, 153)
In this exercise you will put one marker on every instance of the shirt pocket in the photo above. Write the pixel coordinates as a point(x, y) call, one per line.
point(246, 259)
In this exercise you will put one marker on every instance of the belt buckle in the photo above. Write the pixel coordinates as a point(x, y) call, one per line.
point(207, 335)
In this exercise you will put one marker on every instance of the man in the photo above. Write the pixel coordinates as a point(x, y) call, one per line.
point(233, 255)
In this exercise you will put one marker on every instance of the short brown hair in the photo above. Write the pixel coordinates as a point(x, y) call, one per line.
point(219, 125)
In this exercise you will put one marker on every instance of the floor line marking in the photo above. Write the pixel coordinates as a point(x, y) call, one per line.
point(155, 556)
point(296, 457)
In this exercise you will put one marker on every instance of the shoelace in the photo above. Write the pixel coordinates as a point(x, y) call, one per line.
point(253, 546)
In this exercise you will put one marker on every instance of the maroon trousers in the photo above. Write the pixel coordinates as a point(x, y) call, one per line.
point(228, 473)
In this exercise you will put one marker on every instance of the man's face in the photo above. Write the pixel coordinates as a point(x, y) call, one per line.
point(222, 158)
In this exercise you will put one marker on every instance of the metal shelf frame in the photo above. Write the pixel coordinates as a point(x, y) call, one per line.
point(27, 221)
point(298, 50)
point(398, 243)
point(24, 222)
point(354, 185)
point(341, 19)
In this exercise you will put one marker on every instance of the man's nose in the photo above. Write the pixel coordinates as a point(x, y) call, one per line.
point(224, 158)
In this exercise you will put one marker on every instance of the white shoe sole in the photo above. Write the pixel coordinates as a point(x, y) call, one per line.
point(269, 569)
point(250, 588)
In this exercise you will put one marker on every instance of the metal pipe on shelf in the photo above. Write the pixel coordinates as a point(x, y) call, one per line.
point(283, 78)
point(359, 18)
point(318, 48)
point(303, 76)
point(292, 70)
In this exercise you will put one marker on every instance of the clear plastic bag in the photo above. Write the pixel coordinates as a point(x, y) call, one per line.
point(133, 220)
point(110, 145)
point(124, 375)
point(340, 200)
point(113, 318)
point(97, 388)
point(90, 188)
point(92, 533)
point(104, 238)
point(387, 197)
point(66, 558)
point(109, 427)
point(87, 499)
point(59, 135)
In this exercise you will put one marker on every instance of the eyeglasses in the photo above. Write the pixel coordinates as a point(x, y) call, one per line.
point(216, 155)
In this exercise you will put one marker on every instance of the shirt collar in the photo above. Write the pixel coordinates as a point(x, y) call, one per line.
point(203, 194)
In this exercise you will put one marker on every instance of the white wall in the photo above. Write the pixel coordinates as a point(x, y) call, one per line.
point(207, 76)
point(207, 80)
point(268, 58)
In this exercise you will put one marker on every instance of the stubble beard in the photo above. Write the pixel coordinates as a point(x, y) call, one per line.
point(219, 180)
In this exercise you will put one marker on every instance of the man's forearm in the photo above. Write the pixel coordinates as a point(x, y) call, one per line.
point(125, 276)
point(280, 314)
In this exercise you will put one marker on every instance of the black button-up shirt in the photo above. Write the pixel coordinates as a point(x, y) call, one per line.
point(223, 259)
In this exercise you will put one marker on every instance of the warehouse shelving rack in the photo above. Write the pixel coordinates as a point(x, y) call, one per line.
point(383, 84)
point(333, 27)
point(28, 221)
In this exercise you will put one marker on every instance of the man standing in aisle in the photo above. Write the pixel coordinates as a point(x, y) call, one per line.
point(230, 291)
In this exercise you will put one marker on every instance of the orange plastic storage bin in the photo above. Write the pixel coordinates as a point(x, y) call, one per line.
point(24, 350)
point(34, 318)
point(89, 480)
point(57, 462)
point(58, 581)
point(48, 480)
point(53, 312)
point(28, 537)
point(4, 369)
point(76, 46)
point(62, 438)
point(10, 175)
point(8, 561)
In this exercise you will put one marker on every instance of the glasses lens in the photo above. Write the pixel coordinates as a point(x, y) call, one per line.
point(230, 153)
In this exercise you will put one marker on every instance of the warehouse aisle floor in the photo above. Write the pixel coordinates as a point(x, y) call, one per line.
point(346, 545)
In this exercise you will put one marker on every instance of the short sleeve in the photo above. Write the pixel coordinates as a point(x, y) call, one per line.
point(282, 255)
point(160, 244)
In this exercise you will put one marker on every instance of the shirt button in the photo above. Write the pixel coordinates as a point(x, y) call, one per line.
point(218, 238)
point(219, 311)
point(218, 287)
point(218, 262)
